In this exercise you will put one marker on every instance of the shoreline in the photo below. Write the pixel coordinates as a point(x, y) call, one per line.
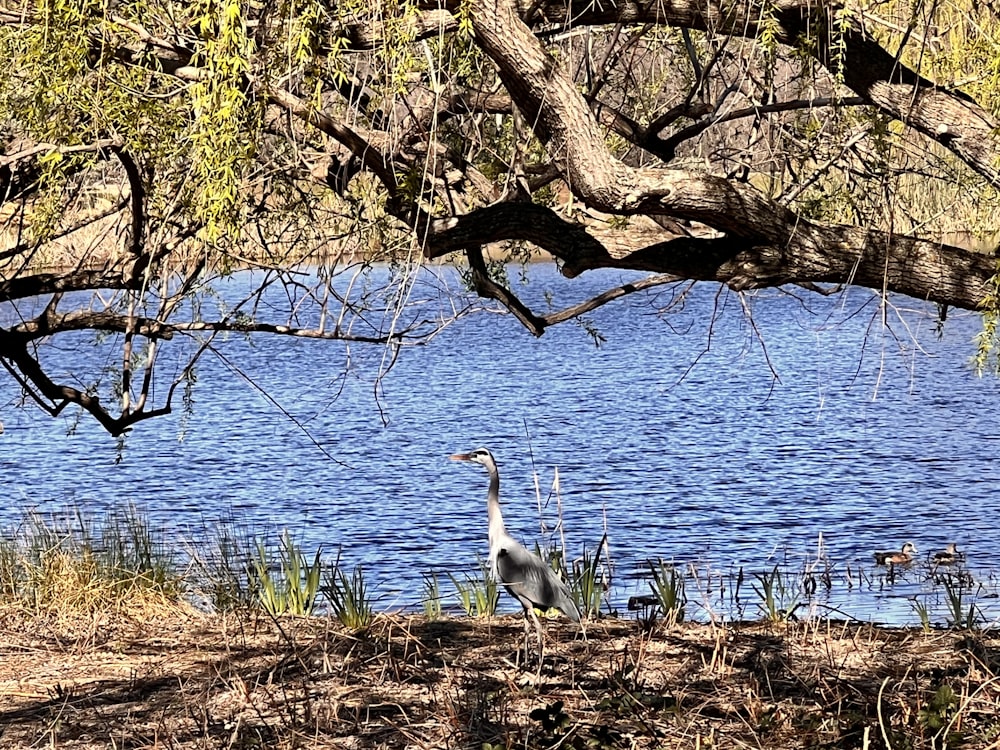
point(183, 679)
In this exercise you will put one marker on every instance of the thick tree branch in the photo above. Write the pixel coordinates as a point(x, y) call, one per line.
point(137, 198)
point(827, 254)
point(503, 216)
point(428, 23)
point(21, 287)
point(489, 289)
point(371, 157)
point(51, 323)
point(608, 295)
point(527, 222)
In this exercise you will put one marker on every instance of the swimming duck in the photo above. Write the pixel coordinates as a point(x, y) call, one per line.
point(949, 556)
point(903, 557)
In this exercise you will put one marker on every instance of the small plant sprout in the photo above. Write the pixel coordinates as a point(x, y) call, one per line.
point(936, 714)
point(348, 597)
point(668, 589)
point(554, 721)
point(776, 601)
point(923, 612)
point(477, 595)
point(288, 586)
point(432, 596)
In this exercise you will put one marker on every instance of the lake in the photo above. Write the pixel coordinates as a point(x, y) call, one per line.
point(720, 433)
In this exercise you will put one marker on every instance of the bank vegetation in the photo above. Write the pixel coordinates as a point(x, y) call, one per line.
point(102, 645)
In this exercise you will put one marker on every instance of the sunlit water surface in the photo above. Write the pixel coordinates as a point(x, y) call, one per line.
point(796, 431)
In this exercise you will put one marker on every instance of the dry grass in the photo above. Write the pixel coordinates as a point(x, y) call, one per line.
point(189, 680)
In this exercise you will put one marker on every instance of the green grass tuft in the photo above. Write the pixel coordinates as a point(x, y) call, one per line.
point(587, 584)
point(288, 585)
point(668, 588)
point(69, 567)
point(776, 600)
point(962, 610)
point(348, 596)
point(478, 596)
point(431, 599)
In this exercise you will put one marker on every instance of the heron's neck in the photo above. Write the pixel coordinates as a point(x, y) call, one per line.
point(493, 508)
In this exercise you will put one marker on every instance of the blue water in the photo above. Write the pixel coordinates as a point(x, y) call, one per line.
point(717, 432)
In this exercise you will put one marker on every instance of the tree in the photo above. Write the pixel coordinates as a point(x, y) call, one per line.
point(151, 147)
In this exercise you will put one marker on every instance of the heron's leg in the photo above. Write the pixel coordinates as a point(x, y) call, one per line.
point(538, 632)
point(527, 630)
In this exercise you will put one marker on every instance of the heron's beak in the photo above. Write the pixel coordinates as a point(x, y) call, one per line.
point(461, 457)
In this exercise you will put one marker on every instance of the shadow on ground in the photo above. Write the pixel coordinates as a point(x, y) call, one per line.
point(192, 681)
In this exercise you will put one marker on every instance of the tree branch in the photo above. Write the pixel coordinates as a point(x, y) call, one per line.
point(947, 117)
point(489, 289)
point(28, 373)
point(667, 147)
point(21, 287)
point(373, 159)
point(809, 254)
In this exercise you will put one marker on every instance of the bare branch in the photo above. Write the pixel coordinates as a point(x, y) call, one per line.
point(667, 147)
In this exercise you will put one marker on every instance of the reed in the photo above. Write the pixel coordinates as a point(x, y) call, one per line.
point(70, 566)
point(132, 556)
point(668, 588)
point(223, 571)
point(348, 597)
point(584, 575)
point(288, 585)
point(478, 596)
point(11, 574)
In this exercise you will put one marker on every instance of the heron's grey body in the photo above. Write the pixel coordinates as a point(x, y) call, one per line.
point(524, 574)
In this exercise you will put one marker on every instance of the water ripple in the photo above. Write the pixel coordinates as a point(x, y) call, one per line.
point(683, 436)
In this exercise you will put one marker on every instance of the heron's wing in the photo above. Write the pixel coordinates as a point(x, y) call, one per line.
point(531, 580)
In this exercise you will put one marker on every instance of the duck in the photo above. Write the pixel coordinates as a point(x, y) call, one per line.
point(949, 555)
point(903, 557)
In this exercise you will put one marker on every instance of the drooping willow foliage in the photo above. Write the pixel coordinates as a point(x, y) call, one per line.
point(151, 146)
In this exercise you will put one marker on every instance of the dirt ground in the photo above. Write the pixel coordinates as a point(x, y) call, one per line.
point(187, 680)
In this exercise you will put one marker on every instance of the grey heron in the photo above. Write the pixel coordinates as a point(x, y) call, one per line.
point(524, 574)
point(903, 557)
